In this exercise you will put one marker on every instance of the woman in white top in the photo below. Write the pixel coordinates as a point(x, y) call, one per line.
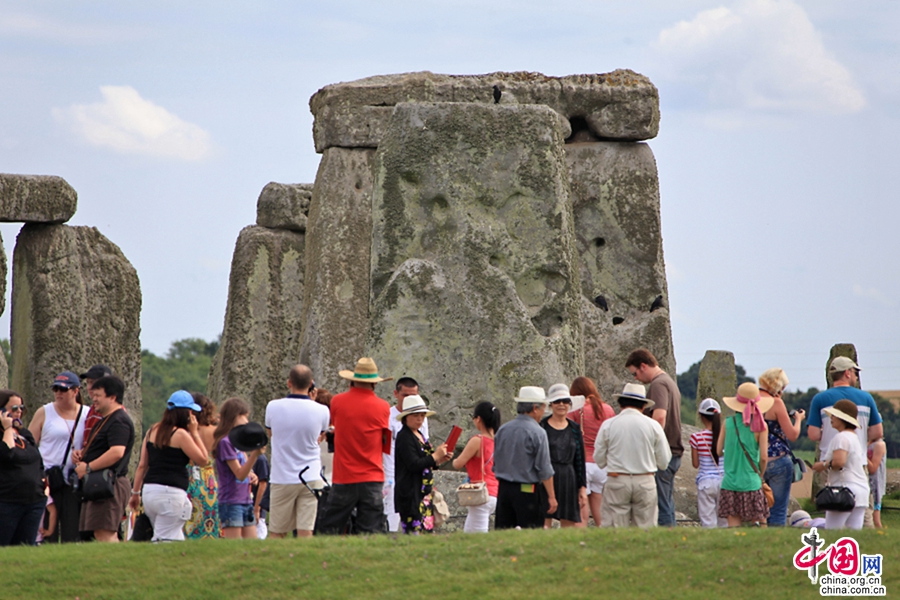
point(845, 462)
point(53, 426)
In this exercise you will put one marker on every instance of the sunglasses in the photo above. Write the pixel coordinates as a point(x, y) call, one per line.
point(59, 388)
point(563, 401)
point(16, 407)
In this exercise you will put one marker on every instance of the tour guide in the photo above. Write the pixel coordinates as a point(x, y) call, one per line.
point(522, 464)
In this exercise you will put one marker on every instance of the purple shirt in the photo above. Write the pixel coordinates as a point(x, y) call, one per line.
point(231, 491)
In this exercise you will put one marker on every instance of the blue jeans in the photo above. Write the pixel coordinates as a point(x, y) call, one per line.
point(19, 523)
point(780, 476)
point(234, 515)
point(665, 493)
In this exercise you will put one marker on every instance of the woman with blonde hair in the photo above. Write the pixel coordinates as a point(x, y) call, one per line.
point(784, 428)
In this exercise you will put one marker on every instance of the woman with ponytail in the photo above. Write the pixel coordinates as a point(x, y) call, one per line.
point(708, 463)
point(478, 460)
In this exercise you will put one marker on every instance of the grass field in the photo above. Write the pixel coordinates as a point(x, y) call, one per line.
point(676, 563)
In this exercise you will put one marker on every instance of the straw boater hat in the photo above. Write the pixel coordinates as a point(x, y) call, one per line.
point(414, 404)
point(748, 391)
point(635, 391)
point(532, 393)
point(846, 411)
point(365, 371)
point(560, 391)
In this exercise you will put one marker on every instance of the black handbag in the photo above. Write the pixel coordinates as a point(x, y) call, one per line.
point(98, 485)
point(835, 498)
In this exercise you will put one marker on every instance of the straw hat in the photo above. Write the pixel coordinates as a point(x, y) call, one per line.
point(366, 371)
point(635, 391)
point(846, 411)
point(532, 393)
point(413, 404)
point(748, 391)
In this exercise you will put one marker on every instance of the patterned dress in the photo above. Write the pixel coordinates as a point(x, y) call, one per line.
point(203, 493)
point(423, 522)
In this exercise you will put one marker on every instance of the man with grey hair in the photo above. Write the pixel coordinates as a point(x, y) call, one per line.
point(522, 465)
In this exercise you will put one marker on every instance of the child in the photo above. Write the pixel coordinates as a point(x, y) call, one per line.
point(877, 477)
point(233, 468)
point(708, 463)
point(261, 495)
point(49, 519)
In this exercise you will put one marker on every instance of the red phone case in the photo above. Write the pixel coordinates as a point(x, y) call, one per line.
point(453, 437)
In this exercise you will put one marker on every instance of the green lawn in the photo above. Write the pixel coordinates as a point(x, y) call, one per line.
point(678, 563)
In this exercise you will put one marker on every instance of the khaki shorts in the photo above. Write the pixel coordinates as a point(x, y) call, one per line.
point(292, 506)
point(106, 515)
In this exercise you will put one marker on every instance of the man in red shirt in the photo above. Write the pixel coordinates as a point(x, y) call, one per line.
point(360, 421)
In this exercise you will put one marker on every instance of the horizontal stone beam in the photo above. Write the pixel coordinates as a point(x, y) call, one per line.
point(36, 199)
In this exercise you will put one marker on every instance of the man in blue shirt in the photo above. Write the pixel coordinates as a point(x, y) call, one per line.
point(845, 374)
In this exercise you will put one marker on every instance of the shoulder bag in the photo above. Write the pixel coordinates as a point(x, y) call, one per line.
point(474, 493)
point(767, 491)
point(98, 485)
point(56, 480)
point(799, 465)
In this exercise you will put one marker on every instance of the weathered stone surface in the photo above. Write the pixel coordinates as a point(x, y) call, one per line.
point(475, 284)
point(261, 336)
point(717, 377)
point(4, 368)
point(284, 206)
point(36, 199)
point(848, 350)
point(615, 203)
point(338, 250)
point(76, 301)
point(685, 492)
point(618, 105)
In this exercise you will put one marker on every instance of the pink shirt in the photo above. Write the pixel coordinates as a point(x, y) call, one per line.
point(591, 425)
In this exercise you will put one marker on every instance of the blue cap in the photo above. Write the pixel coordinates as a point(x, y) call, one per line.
point(182, 399)
point(67, 379)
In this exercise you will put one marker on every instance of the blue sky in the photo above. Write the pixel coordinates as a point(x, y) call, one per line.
point(777, 149)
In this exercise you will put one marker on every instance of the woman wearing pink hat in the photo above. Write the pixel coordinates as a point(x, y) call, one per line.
point(745, 441)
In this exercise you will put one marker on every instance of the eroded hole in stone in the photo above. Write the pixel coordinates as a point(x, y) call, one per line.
point(495, 260)
point(547, 323)
point(580, 131)
point(618, 320)
point(439, 201)
point(358, 184)
point(599, 242)
point(601, 302)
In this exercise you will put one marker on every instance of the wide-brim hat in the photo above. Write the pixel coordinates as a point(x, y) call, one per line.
point(414, 404)
point(846, 417)
point(635, 391)
point(249, 437)
point(532, 393)
point(366, 371)
point(560, 391)
point(748, 391)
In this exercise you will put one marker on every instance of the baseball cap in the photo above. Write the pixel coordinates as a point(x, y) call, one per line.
point(67, 379)
point(96, 372)
point(841, 364)
point(709, 407)
point(182, 399)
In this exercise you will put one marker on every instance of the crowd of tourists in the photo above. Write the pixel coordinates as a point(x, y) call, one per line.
point(204, 471)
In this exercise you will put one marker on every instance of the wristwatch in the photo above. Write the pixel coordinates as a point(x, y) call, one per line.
point(87, 468)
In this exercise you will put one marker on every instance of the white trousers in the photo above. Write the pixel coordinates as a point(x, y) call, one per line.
point(708, 503)
point(845, 520)
point(479, 517)
point(393, 518)
point(169, 509)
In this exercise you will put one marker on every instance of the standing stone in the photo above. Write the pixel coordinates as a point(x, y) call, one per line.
point(848, 350)
point(76, 302)
point(284, 206)
point(615, 202)
point(4, 368)
point(36, 199)
point(474, 273)
point(717, 377)
point(261, 336)
point(338, 250)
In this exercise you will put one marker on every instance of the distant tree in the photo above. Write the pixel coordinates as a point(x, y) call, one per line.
point(185, 367)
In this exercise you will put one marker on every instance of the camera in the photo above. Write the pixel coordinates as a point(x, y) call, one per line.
point(792, 413)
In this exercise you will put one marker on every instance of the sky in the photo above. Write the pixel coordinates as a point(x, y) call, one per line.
point(777, 150)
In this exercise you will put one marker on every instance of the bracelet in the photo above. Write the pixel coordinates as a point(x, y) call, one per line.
point(135, 493)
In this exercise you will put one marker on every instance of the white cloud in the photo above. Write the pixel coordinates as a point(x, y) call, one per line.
point(873, 294)
point(759, 55)
point(129, 124)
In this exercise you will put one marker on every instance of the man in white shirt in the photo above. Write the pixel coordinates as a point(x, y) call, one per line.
point(296, 425)
point(633, 448)
point(406, 386)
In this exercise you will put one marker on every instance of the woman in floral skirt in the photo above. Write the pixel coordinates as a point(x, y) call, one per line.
point(203, 487)
point(414, 463)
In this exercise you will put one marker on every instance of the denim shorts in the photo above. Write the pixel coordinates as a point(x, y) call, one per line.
point(236, 515)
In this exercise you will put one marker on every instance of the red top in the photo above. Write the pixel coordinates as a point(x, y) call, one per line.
point(473, 467)
point(591, 426)
point(360, 419)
